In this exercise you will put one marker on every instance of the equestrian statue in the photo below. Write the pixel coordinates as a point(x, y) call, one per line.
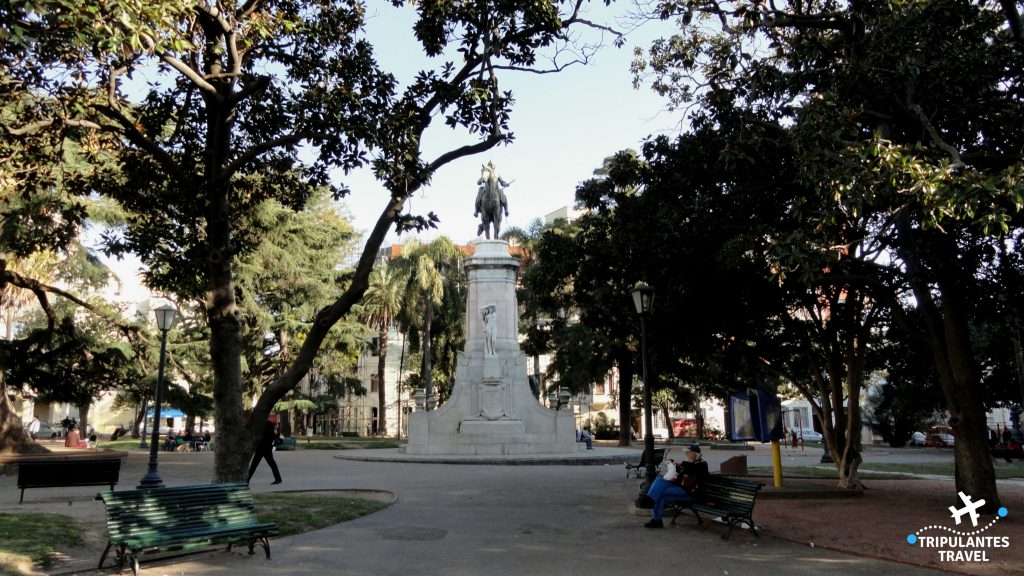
point(490, 200)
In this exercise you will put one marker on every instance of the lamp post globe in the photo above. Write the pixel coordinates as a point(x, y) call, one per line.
point(643, 301)
point(166, 317)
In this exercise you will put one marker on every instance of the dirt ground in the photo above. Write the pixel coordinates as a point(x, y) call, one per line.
point(878, 523)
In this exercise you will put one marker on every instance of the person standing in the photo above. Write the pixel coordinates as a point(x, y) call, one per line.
point(265, 450)
point(33, 428)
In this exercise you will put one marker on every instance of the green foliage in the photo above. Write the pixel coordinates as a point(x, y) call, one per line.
point(207, 107)
point(604, 428)
point(886, 168)
point(434, 296)
point(294, 271)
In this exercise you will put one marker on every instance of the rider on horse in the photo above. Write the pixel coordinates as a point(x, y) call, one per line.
point(491, 185)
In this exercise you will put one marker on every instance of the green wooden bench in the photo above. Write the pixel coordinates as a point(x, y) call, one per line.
point(288, 443)
point(720, 496)
point(148, 521)
point(640, 467)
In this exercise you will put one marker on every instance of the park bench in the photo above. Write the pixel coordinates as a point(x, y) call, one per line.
point(288, 443)
point(638, 469)
point(721, 496)
point(59, 471)
point(149, 521)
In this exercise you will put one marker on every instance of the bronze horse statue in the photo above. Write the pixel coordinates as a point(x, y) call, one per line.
point(490, 200)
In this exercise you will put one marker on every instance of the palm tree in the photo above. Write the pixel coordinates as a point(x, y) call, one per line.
point(524, 243)
point(383, 302)
point(426, 264)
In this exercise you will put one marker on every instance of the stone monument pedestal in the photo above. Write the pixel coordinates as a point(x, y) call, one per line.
point(491, 410)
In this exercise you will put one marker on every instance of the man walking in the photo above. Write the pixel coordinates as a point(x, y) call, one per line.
point(265, 449)
point(33, 428)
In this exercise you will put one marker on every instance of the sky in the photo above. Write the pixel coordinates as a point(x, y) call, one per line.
point(565, 124)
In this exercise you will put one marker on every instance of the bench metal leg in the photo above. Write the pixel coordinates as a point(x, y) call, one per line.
point(262, 541)
point(22, 499)
point(103, 556)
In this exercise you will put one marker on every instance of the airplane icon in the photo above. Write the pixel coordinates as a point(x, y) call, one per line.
point(969, 508)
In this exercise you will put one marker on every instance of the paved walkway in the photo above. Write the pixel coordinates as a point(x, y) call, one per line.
point(456, 520)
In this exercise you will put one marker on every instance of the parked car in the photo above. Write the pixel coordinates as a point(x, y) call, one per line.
point(46, 431)
point(812, 436)
point(940, 440)
point(917, 439)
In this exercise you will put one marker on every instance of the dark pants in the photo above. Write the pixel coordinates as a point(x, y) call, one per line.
point(260, 454)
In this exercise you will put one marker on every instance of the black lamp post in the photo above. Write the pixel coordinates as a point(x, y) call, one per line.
point(643, 299)
point(166, 316)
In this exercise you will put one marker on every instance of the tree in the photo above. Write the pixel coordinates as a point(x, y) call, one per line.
point(382, 304)
point(426, 267)
point(581, 280)
point(524, 243)
point(888, 130)
point(41, 222)
point(236, 89)
point(84, 360)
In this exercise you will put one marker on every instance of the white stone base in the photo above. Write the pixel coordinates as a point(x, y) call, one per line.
point(491, 410)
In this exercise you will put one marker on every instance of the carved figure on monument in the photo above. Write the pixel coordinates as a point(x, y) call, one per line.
point(490, 200)
point(489, 315)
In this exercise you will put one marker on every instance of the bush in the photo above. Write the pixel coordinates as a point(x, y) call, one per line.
point(604, 429)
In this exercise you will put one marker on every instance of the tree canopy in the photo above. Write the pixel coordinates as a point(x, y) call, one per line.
point(207, 105)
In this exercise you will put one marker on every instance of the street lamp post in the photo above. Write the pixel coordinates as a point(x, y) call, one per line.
point(166, 316)
point(643, 300)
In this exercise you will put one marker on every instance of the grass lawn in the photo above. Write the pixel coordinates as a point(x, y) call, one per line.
point(33, 538)
point(890, 471)
point(1003, 470)
point(824, 471)
point(314, 443)
point(295, 513)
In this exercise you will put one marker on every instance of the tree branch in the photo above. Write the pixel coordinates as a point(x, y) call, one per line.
point(132, 133)
point(470, 149)
point(261, 148)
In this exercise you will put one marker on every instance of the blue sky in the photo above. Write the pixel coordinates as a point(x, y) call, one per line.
point(565, 124)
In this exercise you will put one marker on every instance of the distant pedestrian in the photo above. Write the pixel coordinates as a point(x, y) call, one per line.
point(265, 450)
point(33, 428)
point(584, 436)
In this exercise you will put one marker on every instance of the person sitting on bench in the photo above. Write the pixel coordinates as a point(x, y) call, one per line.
point(676, 484)
point(584, 436)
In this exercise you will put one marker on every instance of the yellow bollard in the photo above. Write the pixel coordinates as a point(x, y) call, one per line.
point(777, 463)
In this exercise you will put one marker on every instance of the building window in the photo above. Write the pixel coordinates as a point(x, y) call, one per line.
point(373, 382)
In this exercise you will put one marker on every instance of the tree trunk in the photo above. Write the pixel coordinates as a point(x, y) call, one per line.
point(83, 419)
point(139, 419)
point(1018, 357)
point(932, 263)
point(234, 444)
point(625, 363)
point(382, 351)
point(13, 437)
point(427, 376)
